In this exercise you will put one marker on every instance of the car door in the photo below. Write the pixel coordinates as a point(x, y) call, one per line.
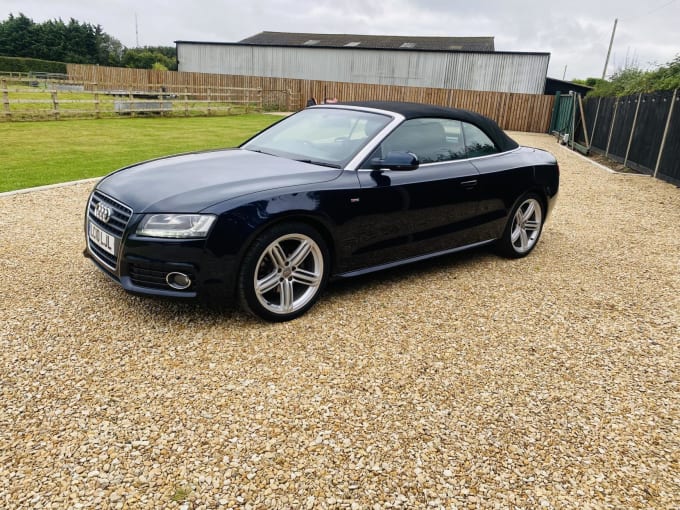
point(405, 214)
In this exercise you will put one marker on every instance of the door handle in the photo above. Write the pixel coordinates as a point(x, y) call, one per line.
point(469, 184)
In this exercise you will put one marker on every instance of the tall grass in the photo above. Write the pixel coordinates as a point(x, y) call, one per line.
point(38, 153)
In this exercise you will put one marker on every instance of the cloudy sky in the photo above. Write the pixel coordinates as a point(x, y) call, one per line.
point(575, 33)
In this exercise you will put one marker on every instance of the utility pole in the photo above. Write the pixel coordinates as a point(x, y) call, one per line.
point(137, 33)
point(609, 51)
point(564, 74)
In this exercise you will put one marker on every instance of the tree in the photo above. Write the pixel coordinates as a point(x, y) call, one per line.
point(109, 49)
point(76, 42)
point(58, 41)
point(17, 36)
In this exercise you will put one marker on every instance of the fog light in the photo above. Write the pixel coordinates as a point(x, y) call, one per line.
point(178, 281)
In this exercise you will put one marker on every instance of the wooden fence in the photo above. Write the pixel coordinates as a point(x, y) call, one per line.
point(640, 131)
point(512, 111)
point(24, 98)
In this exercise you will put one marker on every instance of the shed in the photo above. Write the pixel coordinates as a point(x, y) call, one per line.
point(553, 86)
point(496, 71)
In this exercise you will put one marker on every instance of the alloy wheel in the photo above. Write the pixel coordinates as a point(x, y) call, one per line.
point(526, 225)
point(288, 274)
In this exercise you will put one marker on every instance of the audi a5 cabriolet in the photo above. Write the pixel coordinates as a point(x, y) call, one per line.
point(332, 191)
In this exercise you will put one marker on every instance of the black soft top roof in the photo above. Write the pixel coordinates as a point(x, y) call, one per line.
point(418, 110)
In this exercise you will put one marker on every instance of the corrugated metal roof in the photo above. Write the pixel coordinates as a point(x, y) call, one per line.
point(371, 41)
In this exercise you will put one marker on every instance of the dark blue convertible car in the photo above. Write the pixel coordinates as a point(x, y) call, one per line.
point(331, 192)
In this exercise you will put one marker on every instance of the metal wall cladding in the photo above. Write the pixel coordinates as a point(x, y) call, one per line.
point(495, 72)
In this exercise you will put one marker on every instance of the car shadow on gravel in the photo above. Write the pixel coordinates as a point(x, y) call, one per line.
point(208, 312)
point(170, 310)
point(401, 274)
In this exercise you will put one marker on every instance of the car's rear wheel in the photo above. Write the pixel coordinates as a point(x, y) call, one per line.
point(283, 272)
point(524, 227)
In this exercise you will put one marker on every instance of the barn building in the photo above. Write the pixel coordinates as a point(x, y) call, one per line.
point(464, 63)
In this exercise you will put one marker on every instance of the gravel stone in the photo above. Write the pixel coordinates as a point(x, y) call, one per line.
point(468, 381)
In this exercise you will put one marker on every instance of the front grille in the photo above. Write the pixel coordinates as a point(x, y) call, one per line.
point(120, 214)
point(152, 275)
point(117, 221)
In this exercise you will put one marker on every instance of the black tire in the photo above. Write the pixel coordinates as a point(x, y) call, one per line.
point(283, 272)
point(524, 227)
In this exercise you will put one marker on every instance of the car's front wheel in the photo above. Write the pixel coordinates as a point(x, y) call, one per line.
point(523, 228)
point(283, 272)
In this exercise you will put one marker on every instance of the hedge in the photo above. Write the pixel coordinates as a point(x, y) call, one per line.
point(26, 65)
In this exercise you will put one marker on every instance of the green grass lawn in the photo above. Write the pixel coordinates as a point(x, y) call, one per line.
point(38, 153)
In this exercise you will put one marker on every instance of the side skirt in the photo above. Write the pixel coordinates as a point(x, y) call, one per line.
point(372, 269)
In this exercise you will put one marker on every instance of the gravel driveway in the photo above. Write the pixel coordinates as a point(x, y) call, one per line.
point(469, 381)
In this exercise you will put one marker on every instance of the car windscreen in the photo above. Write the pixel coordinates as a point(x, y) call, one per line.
point(327, 136)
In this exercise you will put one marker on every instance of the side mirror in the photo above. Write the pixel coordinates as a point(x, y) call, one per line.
point(396, 160)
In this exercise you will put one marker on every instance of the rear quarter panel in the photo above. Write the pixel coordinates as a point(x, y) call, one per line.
point(504, 178)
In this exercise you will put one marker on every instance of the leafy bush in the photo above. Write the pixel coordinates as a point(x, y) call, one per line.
point(26, 65)
point(634, 81)
point(146, 58)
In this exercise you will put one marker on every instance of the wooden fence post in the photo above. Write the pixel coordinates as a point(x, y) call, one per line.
point(597, 113)
point(665, 133)
point(96, 100)
point(611, 127)
point(186, 102)
point(55, 104)
point(555, 111)
point(632, 129)
point(583, 120)
point(288, 93)
point(573, 120)
point(209, 109)
point(5, 99)
point(161, 103)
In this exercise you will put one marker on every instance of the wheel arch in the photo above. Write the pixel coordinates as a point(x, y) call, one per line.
point(542, 194)
point(537, 190)
point(319, 224)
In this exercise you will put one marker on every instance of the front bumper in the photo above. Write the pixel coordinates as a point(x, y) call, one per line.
point(149, 277)
point(143, 266)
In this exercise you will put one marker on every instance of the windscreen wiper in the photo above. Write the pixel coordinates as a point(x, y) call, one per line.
point(320, 163)
point(262, 152)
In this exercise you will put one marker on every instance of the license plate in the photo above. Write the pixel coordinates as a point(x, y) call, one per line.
point(102, 239)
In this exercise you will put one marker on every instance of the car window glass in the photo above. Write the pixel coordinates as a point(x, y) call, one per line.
point(477, 143)
point(319, 134)
point(432, 140)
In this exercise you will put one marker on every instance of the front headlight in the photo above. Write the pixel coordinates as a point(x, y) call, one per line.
point(179, 226)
